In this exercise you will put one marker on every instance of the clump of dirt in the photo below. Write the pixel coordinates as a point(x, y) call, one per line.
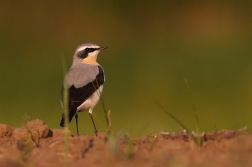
point(35, 144)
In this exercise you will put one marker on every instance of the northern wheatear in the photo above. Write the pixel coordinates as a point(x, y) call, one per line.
point(84, 82)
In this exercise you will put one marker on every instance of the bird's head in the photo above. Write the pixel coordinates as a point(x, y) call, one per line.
point(87, 53)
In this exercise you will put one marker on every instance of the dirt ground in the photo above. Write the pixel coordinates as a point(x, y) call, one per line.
point(35, 144)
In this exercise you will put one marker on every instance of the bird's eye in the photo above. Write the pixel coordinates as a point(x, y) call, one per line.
point(87, 49)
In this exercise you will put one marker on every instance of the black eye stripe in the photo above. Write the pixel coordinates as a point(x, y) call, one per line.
point(89, 50)
point(84, 53)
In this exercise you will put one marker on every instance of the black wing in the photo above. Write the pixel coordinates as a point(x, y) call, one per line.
point(77, 96)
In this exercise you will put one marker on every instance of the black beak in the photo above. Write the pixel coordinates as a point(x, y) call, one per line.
point(103, 47)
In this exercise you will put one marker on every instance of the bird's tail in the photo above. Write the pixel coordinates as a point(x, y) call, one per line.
point(70, 117)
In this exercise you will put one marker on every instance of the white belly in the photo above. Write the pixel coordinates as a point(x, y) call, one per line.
point(91, 102)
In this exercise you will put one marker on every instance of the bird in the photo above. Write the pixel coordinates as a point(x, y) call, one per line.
point(84, 83)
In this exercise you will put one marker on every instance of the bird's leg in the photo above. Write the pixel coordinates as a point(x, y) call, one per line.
point(77, 128)
point(95, 130)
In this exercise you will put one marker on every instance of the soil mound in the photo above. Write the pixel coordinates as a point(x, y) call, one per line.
point(35, 144)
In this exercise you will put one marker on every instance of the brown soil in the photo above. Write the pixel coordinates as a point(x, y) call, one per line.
point(34, 144)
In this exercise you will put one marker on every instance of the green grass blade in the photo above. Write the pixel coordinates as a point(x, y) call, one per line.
point(170, 115)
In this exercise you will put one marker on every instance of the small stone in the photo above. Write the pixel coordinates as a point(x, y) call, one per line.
point(59, 132)
point(5, 130)
point(38, 128)
point(21, 134)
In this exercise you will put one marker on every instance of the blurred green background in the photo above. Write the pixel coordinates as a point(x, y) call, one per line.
point(153, 47)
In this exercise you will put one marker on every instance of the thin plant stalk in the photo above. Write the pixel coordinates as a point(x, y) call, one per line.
point(103, 105)
point(170, 115)
point(65, 104)
point(193, 105)
point(175, 119)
